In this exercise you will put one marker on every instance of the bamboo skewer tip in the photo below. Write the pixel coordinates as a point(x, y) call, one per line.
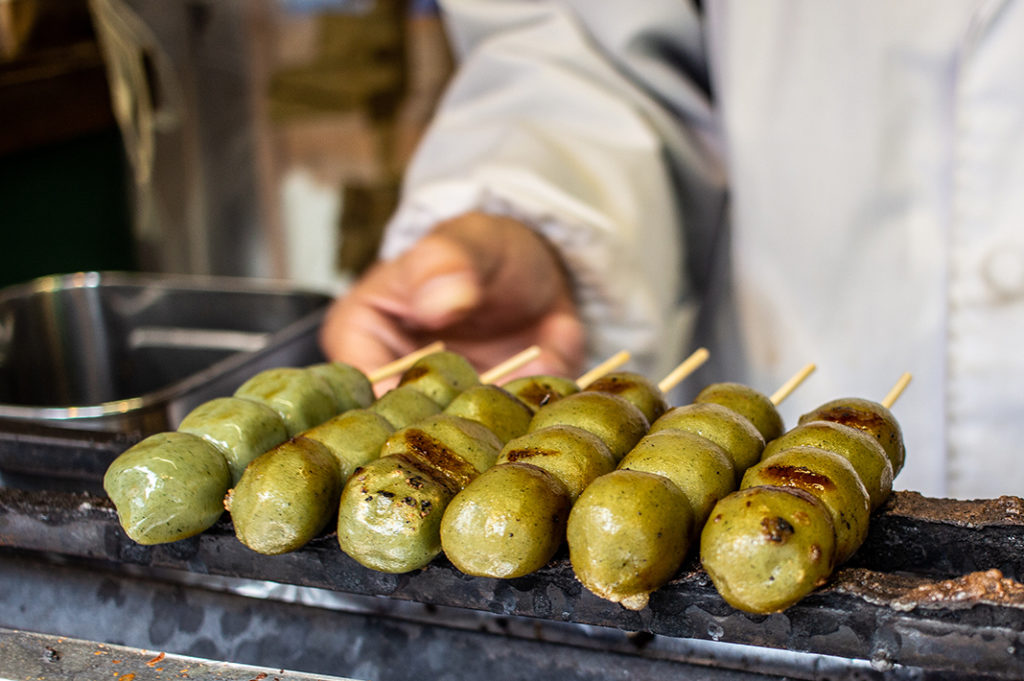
point(794, 381)
point(897, 390)
point(605, 367)
point(684, 369)
point(514, 362)
point(404, 362)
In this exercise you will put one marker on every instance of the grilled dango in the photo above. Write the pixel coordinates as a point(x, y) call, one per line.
point(635, 388)
point(440, 376)
point(350, 386)
point(354, 437)
point(701, 469)
point(390, 511)
point(765, 548)
point(506, 523)
point(723, 426)
point(628, 533)
point(830, 478)
point(301, 397)
point(619, 423)
point(538, 391)
point(871, 417)
point(573, 455)
point(860, 449)
point(757, 407)
point(285, 497)
point(404, 405)
point(501, 411)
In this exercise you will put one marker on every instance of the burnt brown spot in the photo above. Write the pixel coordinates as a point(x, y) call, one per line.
point(537, 393)
point(528, 453)
point(413, 373)
point(797, 476)
point(425, 507)
point(418, 471)
point(444, 462)
point(611, 384)
point(870, 422)
point(386, 494)
point(776, 529)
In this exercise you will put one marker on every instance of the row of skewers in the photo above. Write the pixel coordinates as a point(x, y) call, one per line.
point(498, 478)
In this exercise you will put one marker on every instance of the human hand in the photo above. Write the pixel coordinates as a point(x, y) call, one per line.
point(488, 286)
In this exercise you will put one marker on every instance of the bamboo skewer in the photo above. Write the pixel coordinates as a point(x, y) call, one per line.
point(514, 362)
point(896, 391)
point(684, 369)
point(402, 363)
point(607, 366)
point(789, 386)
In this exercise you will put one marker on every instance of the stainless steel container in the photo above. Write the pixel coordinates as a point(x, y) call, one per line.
point(125, 353)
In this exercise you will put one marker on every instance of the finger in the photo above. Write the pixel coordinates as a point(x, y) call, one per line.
point(358, 330)
point(439, 284)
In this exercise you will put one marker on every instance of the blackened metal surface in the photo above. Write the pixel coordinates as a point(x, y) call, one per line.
point(150, 613)
point(868, 611)
point(945, 537)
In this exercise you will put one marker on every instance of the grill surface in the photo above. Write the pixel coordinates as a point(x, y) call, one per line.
point(931, 591)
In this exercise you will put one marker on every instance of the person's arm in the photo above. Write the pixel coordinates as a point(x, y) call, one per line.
point(590, 127)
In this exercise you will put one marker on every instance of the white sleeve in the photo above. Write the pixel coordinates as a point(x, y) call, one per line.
point(589, 126)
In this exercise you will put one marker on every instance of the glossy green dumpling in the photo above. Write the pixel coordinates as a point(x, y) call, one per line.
point(507, 523)
point(701, 469)
point(389, 517)
point(168, 487)
point(859, 448)
point(618, 422)
point(745, 401)
point(537, 391)
point(440, 376)
point(241, 429)
point(404, 406)
point(831, 479)
point(765, 548)
point(285, 497)
point(628, 534)
point(302, 398)
point(871, 417)
point(350, 386)
point(496, 408)
point(457, 448)
point(635, 388)
point(354, 437)
point(573, 455)
point(723, 426)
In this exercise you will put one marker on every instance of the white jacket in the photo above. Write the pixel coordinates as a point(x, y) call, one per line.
point(874, 218)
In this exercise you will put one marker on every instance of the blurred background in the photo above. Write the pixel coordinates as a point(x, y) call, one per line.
point(261, 138)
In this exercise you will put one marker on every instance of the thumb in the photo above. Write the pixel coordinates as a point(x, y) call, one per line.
point(443, 282)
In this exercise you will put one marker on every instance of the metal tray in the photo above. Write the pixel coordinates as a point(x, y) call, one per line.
point(113, 357)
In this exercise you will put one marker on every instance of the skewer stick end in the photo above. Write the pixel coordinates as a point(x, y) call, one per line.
point(792, 384)
point(684, 369)
point(514, 362)
point(896, 391)
point(607, 366)
point(404, 362)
